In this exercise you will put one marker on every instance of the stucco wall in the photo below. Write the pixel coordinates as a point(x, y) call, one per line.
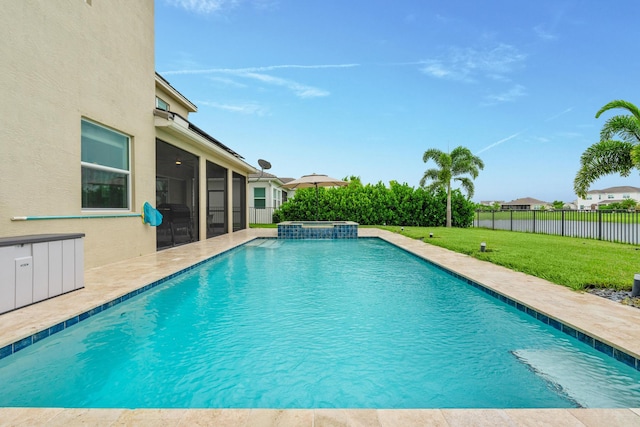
point(63, 60)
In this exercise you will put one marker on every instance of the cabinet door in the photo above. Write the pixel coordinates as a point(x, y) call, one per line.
point(79, 264)
point(7, 279)
point(24, 281)
point(40, 271)
point(55, 268)
point(68, 266)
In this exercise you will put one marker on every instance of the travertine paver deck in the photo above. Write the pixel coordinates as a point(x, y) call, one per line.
point(611, 322)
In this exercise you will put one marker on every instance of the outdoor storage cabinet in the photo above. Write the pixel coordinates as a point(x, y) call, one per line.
point(37, 267)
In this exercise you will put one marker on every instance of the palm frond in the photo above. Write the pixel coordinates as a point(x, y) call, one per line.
point(467, 185)
point(619, 103)
point(600, 159)
point(626, 127)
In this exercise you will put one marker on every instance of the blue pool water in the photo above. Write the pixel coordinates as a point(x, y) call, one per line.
point(314, 324)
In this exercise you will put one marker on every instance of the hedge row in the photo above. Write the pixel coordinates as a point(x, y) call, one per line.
point(377, 204)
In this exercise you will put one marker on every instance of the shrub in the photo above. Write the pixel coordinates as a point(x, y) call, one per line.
point(377, 204)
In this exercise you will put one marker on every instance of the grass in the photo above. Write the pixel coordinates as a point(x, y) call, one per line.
point(573, 262)
point(567, 261)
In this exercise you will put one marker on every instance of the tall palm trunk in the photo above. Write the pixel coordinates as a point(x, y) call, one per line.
point(449, 205)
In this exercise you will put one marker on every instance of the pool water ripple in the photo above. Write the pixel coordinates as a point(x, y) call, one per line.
point(313, 324)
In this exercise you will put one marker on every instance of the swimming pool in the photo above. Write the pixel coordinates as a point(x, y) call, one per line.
point(297, 333)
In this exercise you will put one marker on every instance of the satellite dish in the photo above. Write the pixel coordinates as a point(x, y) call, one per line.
point(264, 164)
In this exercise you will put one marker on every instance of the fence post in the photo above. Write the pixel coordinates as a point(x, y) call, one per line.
point(562, 224)
point(534, 220)
point(511, 220)
point(599, 224)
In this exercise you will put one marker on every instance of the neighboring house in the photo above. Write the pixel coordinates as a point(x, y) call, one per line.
point(90, 133)
point(491, 202)
point(265, 196)
point(527, 203)
point(595, 198)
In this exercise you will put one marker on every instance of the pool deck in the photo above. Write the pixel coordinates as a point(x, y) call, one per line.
point(610, 322)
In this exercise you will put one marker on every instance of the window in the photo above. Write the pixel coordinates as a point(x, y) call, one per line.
point(626, 196)
point(259, 198)
point(588, 197)
point(161, 105)
point(609, 196)
point(105, 168)
point(277, 198)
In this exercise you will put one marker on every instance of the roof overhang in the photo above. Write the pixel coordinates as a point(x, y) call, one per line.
point(166, 86)
point(179, 127)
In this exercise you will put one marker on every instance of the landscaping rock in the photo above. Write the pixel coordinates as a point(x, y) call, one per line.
point(623, 297)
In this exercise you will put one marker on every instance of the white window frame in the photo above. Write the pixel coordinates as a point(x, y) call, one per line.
point(99, 167)
point(158, 101)
point(264, 198)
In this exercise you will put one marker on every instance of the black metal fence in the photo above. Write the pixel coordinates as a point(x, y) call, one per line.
point(613, 226)
point(261, 215)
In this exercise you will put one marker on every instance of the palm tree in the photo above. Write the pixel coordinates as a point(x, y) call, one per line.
point(451, 166)
point(610, 155)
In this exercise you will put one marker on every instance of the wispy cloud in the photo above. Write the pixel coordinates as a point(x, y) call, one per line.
point(256, 69)
point(543, 33)
point(470, 64)
point(495, 144)
point(562, 113)
point(209, 7)
point(510, 95)
point(227, 81)
point(259, 74)
point(250, 108)
point(202, 6)
point(302, 91)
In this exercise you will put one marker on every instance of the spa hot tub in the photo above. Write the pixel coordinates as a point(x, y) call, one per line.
point(318, 230)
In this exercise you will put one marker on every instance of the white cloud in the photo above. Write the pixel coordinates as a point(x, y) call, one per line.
point(495, 144)
point(302, 91)
point(227, 81)
point(510, 95)
point(257, 73)
point(543, 33)
point(251, 108)
point(470, 64)
point(256, 69)
point(562, 113)
point(202, 6)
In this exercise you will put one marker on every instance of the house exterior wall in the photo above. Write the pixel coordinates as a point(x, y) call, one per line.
point(607, 196)
point(269, 187)
point(272, 201)
point(176, 104)
point(63, 61)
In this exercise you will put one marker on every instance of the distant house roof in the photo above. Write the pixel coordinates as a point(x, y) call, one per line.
point(621, 189)
point(267, 176)
point(526, 201)
point(262, 175)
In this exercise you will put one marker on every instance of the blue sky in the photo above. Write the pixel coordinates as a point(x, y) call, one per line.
point(354, 87)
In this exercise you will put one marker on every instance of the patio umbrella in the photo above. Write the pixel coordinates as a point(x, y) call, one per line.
point(315, 180)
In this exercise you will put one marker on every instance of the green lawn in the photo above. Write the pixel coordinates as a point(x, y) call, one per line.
point(567, 261)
